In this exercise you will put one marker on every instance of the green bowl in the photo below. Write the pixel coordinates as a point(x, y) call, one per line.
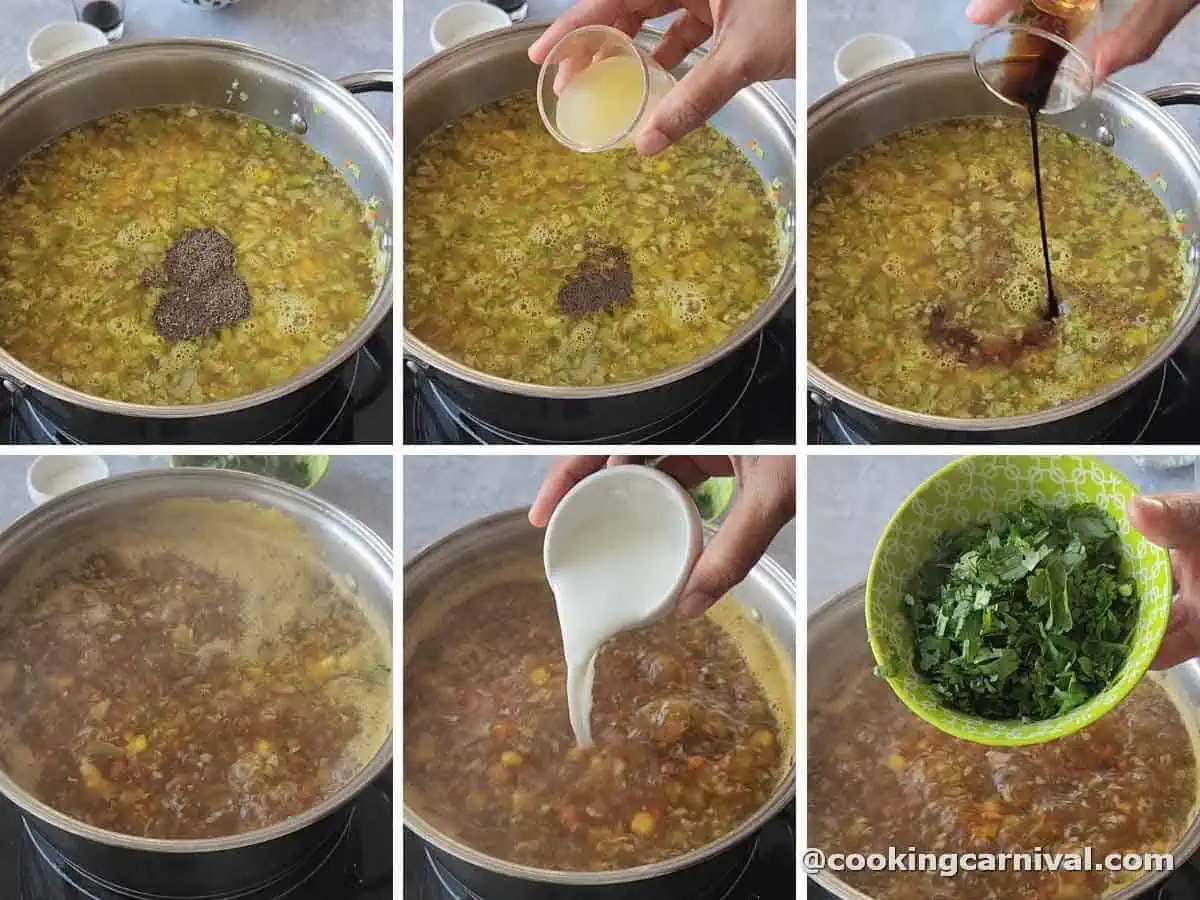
point(309, 470)
point(971, 490)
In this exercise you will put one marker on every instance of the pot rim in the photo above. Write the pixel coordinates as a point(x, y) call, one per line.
point(1187, 318)
point(27, 91)
point(41, 517)
point(829, 880)
point(783, 290)
point(784, 793)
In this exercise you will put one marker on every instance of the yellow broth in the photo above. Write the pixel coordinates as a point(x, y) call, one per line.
point(88, 213)
point(498, 215)
point(928, 241)
point(879, 777)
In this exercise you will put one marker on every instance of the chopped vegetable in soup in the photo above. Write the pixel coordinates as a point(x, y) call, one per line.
point(687, 745)
point(879, 777)
point(142, 694)
point(88, 214)
point(529, 261)
point(926, 283)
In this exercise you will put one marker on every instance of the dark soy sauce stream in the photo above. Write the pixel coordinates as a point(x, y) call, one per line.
point(1029, 75)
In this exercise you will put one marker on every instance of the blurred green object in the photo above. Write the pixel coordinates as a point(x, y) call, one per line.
point(301, 471)
point(712, 497)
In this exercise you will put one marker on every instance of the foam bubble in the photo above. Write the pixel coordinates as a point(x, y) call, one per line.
point(1024, 293)
point(688, 302)
point(526, 307)
point(545, 234)
point(582, 336)
point(893, 266)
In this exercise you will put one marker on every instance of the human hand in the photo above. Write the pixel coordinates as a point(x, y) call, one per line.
point(765, 502)
point(753, 40)
point(1134, 40)
point(1173, 520)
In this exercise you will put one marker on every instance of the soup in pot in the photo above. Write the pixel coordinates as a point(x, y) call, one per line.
point(926, 282)
point(86, 217)
point(165, 692)
point(880, 777)
point(532, 262)
point(689, 741)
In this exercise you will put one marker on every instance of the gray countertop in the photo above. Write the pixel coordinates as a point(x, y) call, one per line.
point(936, 26)
point(419, 15)
point(359, 485)
point(851, 499)
point(333, 38)
point(444, 493)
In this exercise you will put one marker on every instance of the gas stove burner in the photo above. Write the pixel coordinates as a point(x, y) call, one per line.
point(1164, 414)
point(755, 404)
point(350, 405)
point(353, 862)
point(452, 889)
point(763, 869)
point(48, 875)
point(693, 418)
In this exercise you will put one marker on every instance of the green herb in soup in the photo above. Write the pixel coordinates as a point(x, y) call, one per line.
point(1026, 616)
point(926, 284)
point(88, 214)
point(532, 262)
point(880, 777)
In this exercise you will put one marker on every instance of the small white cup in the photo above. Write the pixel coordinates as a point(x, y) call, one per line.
point(50, 476)
point(867, 52)
point(58, 40)
point(463, 21)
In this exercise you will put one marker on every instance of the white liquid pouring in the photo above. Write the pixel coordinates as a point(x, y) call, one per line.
point(618, 550)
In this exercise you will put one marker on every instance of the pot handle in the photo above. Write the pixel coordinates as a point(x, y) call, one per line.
point(1183, 93)
point(369, 82)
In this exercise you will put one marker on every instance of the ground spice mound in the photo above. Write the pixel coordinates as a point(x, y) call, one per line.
point(203, 291)
point(602, 279)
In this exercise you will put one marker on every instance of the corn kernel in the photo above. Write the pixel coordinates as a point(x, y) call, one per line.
point(262, 746)
point(137, 744)
point(511, 759)
point(539, 676)
point(643, 824)
point(895, 762)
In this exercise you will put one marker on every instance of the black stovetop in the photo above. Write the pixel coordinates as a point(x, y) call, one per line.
point(755, 405)
point(769, 874)
point(1168, 412)
point(356, 409)
point(356, 864)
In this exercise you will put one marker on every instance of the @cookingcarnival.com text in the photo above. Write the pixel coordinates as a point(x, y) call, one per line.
point(948, 865)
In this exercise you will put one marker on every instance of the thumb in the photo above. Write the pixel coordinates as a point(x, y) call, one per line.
point(1169, 520)
point(688, 105)
point(989, 12)
point(737, 546)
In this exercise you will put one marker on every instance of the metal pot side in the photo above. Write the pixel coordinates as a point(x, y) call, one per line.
point(504, 548)
point(198, 867)
point(218, 75)
point(944, 86)
point(838, 651)
point(497, 65)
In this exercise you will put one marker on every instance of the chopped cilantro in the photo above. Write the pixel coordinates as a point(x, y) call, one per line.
point(1025, 616)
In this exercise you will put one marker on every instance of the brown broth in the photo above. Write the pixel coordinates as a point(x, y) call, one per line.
point(880, 777)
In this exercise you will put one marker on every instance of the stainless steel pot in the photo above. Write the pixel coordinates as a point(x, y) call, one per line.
point(216, 866)
point(504, 548)
point(220, 75)
point(497, 65)
point(838, 651)
point(934, 88)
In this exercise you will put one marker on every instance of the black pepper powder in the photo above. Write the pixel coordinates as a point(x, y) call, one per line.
point(603, 279)
point(203, 292)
